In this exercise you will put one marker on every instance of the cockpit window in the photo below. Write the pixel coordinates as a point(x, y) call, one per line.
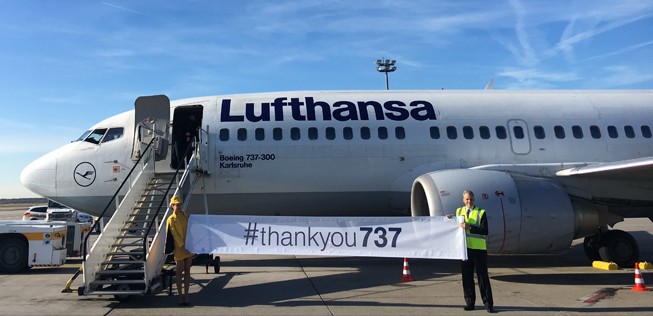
point(96, 135)
point(113, 133)
point(83, 136)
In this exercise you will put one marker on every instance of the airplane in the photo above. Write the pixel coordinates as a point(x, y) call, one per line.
point(548, 166)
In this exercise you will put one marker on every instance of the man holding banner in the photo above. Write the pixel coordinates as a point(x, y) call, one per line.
point(476, 231)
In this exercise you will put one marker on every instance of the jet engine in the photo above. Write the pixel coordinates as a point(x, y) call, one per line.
point(526, 215)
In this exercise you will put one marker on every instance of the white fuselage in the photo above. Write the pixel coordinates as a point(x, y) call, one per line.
point(358, 152)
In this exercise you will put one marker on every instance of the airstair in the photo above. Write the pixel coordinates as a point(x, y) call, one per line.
point(127, 258)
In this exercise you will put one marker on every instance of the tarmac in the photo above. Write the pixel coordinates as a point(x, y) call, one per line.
point(560, 284)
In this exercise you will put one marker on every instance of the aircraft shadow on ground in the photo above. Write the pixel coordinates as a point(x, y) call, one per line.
point(365, 273)
point(358, 274)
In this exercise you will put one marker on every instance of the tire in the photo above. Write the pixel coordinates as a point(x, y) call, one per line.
point(122, 297)
point(13, 254)
point(619, 247)
point(591, 247)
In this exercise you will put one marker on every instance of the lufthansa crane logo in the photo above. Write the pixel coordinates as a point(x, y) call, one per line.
point(84, 174)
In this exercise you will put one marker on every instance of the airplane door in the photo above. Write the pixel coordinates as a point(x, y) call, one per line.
point(519, 138)
point(152, 120)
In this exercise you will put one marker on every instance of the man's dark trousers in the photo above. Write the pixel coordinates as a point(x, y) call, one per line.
point(476, 259)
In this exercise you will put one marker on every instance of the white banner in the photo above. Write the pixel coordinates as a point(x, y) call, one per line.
point(401, 237)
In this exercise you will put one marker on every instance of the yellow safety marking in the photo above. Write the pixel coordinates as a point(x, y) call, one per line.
point(34, 236)
point(39, 236)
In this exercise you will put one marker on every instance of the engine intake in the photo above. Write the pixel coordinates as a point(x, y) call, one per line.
point(525, 214)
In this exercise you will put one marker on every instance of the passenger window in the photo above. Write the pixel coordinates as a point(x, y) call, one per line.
point(518, 132)
point(330, 133)
point(277, 133)
point(365, 132)
point(224, 134)
point(646, 131)
point(347, 133)
point(312, 133)
point(612, 131)
point(559, 131)
point(501, 132)
point(294, 133)
point(383, 132)
point(468, 132)
point(630, 131)
point(577, 131)
point(435, 132)
point(112, 134)
point(452, 133)
point(539, 132)
point(259, 134)
point(484, 131)
point(595, 132)
point(242, 134)
point(400, 133)
point(96, 135)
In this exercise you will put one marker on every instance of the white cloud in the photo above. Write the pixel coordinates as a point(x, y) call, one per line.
point(532, 78)
point(624, 75)
point(28, 137)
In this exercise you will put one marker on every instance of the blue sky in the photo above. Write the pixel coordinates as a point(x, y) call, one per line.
point(65, 65)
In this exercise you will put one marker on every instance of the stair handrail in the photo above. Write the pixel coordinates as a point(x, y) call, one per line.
point(96, 223)
point(154, 252)
point(158, 209)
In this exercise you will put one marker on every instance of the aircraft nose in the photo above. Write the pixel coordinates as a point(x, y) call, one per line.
point(40, 175)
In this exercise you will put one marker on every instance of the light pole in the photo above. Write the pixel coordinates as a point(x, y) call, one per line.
point(386, 65)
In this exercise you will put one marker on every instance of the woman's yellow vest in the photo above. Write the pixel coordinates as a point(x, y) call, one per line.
point(474, 241)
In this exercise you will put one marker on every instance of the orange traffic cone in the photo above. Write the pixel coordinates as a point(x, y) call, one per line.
point(406, 276)
point(639, 281)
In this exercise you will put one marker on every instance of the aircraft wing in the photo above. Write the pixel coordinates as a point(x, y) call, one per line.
point(640, 169)
point(623, 187)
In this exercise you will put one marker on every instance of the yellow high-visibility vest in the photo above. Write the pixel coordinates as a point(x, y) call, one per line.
point(474, 241)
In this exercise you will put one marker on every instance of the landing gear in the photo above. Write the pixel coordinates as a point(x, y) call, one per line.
point(591, 247)
point(615, 246)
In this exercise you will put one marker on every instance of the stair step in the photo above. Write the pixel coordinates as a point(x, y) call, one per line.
point(133, 229)
point(125, 253)
point(114, 292)
point(140, 244)
point(129, 237)
point(119, 272)
point(122, 262)
point(146, 213)
point(111, 282)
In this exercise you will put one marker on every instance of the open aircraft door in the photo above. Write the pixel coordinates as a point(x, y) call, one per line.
point(152, 120)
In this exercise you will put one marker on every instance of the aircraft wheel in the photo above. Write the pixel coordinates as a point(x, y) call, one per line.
point(619, 247)
point(591, 247)
point(13, 254)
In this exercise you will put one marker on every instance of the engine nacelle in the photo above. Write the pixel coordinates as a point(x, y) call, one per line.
point(525, 214)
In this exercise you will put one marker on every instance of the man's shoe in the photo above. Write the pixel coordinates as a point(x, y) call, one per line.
point(469, 308)
point(491, 310)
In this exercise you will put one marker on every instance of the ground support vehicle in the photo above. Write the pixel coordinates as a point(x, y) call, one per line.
point(77, 230)
point(25, 244)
